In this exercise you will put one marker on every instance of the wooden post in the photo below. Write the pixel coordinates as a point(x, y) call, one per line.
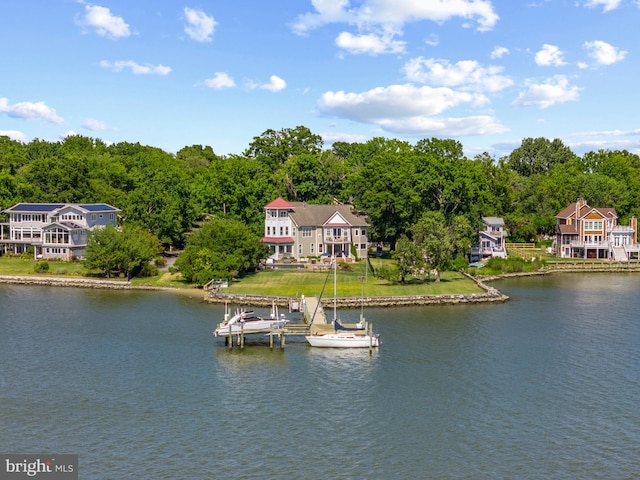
point(282, 340)
point(230, 338)
point(370, 339)
point(242, 336)
point(271, 340)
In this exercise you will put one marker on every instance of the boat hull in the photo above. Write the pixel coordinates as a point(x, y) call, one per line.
point(343, 340)
point(248, 328)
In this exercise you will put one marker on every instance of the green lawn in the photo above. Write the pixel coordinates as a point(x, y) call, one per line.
point(292, 283)
point(281, 283)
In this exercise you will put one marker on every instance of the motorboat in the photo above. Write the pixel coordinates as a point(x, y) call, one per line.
point(247, 322)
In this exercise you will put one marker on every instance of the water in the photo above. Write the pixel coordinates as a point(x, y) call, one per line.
point(544, 386)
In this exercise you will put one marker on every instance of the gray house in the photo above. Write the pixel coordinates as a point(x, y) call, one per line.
point(55, 230)
point(298, 230)
point(491, 240)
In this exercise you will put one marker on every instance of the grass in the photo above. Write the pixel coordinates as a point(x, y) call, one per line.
point(292, 283)
point(279, 283)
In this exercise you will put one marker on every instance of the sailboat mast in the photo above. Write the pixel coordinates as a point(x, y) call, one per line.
point(335, 291)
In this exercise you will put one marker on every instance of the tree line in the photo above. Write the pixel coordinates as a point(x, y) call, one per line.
point(402, 187)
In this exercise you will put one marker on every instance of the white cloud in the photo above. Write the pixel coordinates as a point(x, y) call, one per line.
point(396, 101)
point(410, 110)
point(604, 53)
point(466, 74)
point(379, 22)
point(550, 55)
point(333, 137)
point(372, 13)
point(30, 111)
point(94, 125)
point(555, 90)
point(136, 68)
point(200, 26)
point(370, 43)
point(104, 23)
point(499, 52)
point(14, 135)
point(445, 127)
point(433, 40)
point(607, 4)
point(275, 84)
point(219, 81)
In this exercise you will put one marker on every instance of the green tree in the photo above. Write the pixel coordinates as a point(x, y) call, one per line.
point(274, 148)
point(222, 248)
point(126, 251)
point(409, 258)
point(104, 250)
point(538, 155)
point(441, 240)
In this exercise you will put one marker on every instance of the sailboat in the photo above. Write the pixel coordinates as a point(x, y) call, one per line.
point(343, 336)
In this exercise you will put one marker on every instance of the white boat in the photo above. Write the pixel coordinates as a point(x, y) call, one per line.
point(246, 322)
point(344, 340)
point(342, 336)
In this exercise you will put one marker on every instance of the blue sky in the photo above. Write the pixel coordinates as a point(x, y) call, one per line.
point(171, 74)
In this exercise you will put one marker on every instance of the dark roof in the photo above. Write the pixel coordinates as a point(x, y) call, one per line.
point(52, 207)
point(98, 207)
point(35, 207)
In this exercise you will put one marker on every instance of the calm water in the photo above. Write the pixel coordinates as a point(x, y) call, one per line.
point(546, 386)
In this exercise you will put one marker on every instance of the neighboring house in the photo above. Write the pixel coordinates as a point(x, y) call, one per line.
point(586, 232)
point(491, 240)
point(55, 230)
point(298, 230)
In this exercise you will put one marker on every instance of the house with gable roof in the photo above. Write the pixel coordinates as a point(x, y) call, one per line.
point(491, 240)
point(298, 230)
point(587, 232)
point(55, 230)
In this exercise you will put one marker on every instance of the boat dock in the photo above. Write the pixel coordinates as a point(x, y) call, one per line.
point(314, 323)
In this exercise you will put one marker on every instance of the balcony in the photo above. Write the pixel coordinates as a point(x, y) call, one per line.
point(338, 239)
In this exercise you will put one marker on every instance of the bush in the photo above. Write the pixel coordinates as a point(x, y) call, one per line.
point(41, 267)
point(148, 270)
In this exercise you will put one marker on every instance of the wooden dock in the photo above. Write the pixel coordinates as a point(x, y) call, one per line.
point(315, 323)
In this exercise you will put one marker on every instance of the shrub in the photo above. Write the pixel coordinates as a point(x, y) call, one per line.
point(41, 267)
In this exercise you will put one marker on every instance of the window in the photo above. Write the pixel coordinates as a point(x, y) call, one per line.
point(281, 231)
point(593, 224)
point(282, 214)
point(300, 249)
point(286, 230)
point(355, 232)
point(363, 246)
point(312, 248)
point(320, 248)
point(268, 231)
point(363, 232)
point(306, 232)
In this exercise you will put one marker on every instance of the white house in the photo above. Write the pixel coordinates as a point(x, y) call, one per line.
point(55, 230)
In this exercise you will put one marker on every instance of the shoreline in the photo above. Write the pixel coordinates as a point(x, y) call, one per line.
point(95, 283)
point(490, 295)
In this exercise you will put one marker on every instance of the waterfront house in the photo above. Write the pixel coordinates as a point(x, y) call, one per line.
point(587, 232)
point(491, 240)
point(54, 230)
point(298, 230)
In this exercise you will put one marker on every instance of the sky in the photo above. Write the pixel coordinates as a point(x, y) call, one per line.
point(170, 73)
